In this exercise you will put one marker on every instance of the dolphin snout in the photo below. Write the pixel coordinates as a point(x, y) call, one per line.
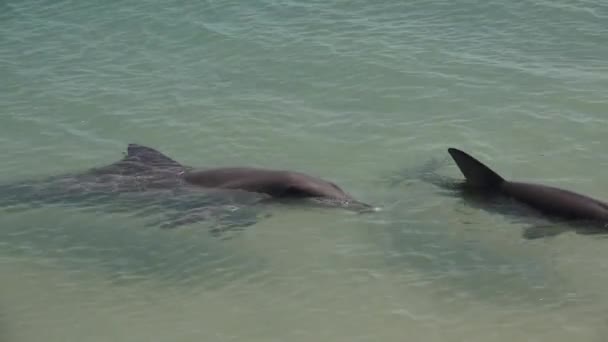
point(363, 208)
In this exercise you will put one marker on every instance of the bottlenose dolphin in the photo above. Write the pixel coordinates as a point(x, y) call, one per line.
point(583, 213)
point(148, 182)
point(546, 211)
point(277, 184)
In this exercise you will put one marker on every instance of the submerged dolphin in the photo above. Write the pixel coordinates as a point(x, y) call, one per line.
point(277, 184)
point(149, 181)
point(588, 214)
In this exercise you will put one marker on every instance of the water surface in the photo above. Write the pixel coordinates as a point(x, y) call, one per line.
point(350, 91)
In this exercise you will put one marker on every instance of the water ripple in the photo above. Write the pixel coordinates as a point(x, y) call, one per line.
point(349, 91)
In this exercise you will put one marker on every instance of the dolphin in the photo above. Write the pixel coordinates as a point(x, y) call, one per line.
point(280, 185)
point(147, 182)
point(584, 213)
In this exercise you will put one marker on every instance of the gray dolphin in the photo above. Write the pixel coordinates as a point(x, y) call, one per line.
point(589, 215)
point(146, 182)
point(281, 185)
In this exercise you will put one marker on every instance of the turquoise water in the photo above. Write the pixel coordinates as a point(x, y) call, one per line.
point(352, 91)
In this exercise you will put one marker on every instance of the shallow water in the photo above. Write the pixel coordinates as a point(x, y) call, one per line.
point(356, 92)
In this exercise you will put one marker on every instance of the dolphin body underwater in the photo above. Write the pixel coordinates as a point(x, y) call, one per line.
point(147, 182)
point(563, 209)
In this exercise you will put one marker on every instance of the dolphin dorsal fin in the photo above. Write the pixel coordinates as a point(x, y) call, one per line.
point(475, 172)
point(148, 156)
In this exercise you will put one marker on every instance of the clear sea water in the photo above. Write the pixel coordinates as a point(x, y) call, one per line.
point(352, 91)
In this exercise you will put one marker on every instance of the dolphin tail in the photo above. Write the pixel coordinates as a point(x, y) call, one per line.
point(475, 172)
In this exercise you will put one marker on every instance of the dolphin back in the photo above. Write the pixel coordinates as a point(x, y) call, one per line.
point(475, 172)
